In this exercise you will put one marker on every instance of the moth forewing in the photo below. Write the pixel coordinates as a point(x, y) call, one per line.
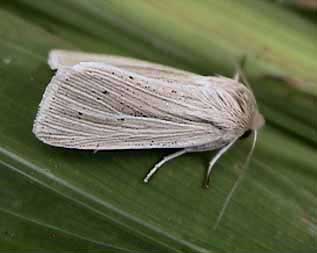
point(98, 106)
point(100, 102)
point(64, 58)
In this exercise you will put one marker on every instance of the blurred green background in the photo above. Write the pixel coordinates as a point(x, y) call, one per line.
point(57, 200)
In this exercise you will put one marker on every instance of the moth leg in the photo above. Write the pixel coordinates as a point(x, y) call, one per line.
point(163, 161)
point(215, 159)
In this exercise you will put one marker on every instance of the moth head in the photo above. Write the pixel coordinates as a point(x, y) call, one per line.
point(257, 121)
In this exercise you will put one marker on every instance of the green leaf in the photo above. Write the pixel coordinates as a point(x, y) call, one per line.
point(58, 200)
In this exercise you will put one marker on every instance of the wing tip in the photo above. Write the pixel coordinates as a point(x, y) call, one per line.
point(38, 124)
point(48, 98)
point(55, 58)
point(60, 58)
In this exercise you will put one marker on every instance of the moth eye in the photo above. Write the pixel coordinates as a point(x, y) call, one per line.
point(246, 134)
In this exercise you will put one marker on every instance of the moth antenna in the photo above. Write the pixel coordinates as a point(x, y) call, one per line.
point(238, 181)
point(215, 159)
point(237, 76)
point(160, 163)
point(240, 73)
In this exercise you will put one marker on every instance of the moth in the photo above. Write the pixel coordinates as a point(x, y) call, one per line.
point(105, 102)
